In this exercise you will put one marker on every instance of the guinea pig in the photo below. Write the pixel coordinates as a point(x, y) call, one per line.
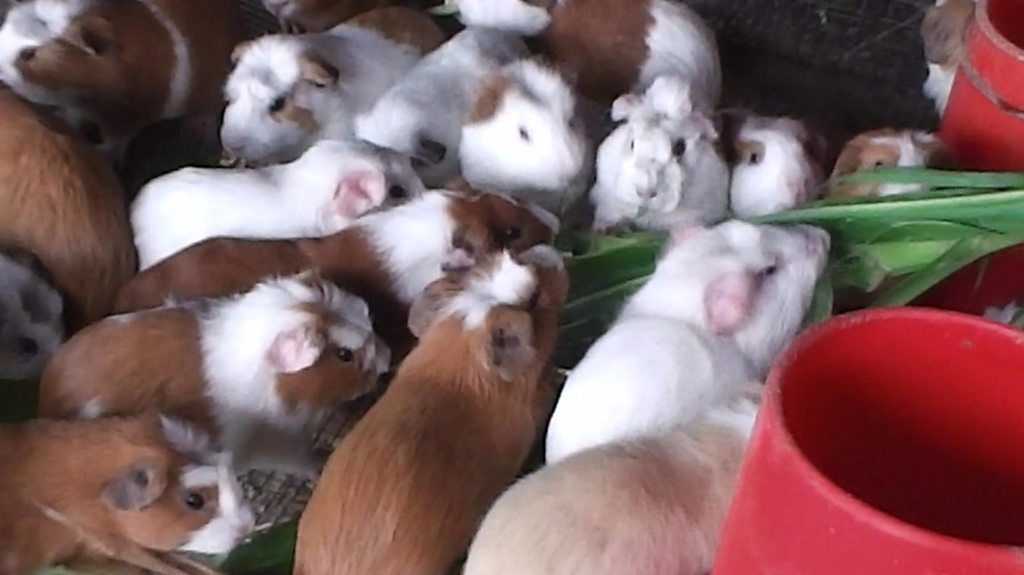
point(320, 15)
point(881, 149)
point(287, 92)
point(722, 303)
point(661, 168)
point(776, 165)
point(943, 31)
point(422, 115)
point(386, 258)
point(259, 371)
point(31, 316)
point(613, 47)
point(116, 67)
point(63, 203)
point(524, 137)
point(122, 489)
point(324, 191)
point(650, 506)
point(419, 471)
point(403, 25)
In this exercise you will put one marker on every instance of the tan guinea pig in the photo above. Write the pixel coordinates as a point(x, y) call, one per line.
point(113, 68)
point(884, 149)
point(403, 25)
point(63, 203)
point(117, 489)
point(320, 15)
point(406, 489)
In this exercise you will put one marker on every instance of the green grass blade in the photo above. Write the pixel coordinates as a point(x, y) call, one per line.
point(938, 179)
point(447, 9)
point(269, 553)
point(823, 303)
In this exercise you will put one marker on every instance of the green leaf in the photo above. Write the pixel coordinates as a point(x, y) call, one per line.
point(938, 179)
point(822, 305)
point(269, 553)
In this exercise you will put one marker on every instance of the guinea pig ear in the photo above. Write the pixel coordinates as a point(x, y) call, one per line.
point(510, 344)
point(729, 301)
point(295, 349)
point(136, 488)
point(670, 97)
point(358, 193)
point(429, 304)
point(239, 50)
point(93, 35)
point(316, 70)
point(625, 106)
point(184, 437)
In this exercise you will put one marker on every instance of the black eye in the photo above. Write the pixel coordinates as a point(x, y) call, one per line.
point(397, 192)
point(195, 500)
point(277, 105)
point(632, 145)
point(512, 234)
point(524, 134)
point(26, 54)
point(92, 132)
point(770, 270)
point(26, 346)
point(534, 300)
point(345, 354)
point(754, 158)
point(879, 164)
point(679, 148)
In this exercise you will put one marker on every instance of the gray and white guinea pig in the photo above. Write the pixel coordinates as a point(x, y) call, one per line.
point(31, 316)
point(884, 149)
point(943, 32)
point(112, 68)
point(130, 488)
point(288, 92)
point(776, 163)
point(661, 167)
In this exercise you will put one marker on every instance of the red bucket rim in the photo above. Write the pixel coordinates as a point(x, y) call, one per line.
point(984, 21)
point(821, 482)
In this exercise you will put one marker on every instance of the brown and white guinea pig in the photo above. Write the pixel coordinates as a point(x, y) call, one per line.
point(62, 202)
point(31, 316)
point(113, 68)
point(405, 490)
point(777, 163)
point(116, 488)
point(943, 31)
point(613, 47)
point(882, 149)
point(403, 25)
point(259, 371)
point(320, 15)
point(386, 258)
point(651, 506)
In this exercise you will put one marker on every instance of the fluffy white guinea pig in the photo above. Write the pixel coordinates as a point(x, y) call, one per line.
point(662, 167)
point(321, 193)
point(422, 116)
point(287, 92)
point(31, 316)
point(722, 303)
point(776, 165)
point(524, 136)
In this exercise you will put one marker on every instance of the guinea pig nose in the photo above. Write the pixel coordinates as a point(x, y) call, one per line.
point(647, 192)
point(26, 346)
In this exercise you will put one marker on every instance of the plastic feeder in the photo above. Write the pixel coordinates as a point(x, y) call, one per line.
point(984, 121)
point(992, 282)
point(891, 442)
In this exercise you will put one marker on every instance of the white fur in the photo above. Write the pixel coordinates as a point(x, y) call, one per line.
point(532, 147)
point(31, 25)
point(300, 199)
point(31, 313)
point(432, 101)
point(1007, 314)
point(508, 283)
point(512, 15)
point(269, 68)
point(912, 154)
point(181, 75)
point(236, 337)
point(640, 178)
point(681, 44)
point(785, 176)
point(660, 365)
point(234, 519)
point(92, 409)
point(939, 85)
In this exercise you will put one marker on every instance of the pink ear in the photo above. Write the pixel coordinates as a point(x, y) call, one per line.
point(681, 234)
point(295, 350)
point(728, 302)
point(358, 193)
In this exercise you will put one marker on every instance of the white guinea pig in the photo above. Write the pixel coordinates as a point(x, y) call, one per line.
point(31, 316)
point(661, 168)
point(524, 137)
point(287, 92)
point(722, 303)
point(422, 116)
point(321, 193)
point(776, 165)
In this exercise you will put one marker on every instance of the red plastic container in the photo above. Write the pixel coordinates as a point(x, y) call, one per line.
point(984, 120)
point(891, 442)
point(992, 282)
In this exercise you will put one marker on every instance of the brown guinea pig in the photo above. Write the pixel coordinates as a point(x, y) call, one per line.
point(406, 489)
point(403, 25)
point(259, 372)
point(114, 488)
point(943, 33)
point(63, 203)
point(386, 258)
point(882, 149)
point(112, 68)
point(320, 15)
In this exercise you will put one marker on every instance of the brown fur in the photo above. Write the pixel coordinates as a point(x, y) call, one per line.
point(322, 15)
point(419, 472)
point(489, 97)
point(943, 30)
point(65, 466)
point(403, 25)
point(62, 202)
point(602, 43)
point(864, 154)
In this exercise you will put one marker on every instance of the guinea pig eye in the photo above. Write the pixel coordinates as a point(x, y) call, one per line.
point(878, 165)
point(277, 105)
point(679, 148)
point(512, 234)
point(195, 500)
point(345, 354)
point(26, 54)
point(534, 300)
point(754, 158)
point(397, 192)
point(632, 145)
point(92, 132)
point(770, 270)
point(524, 135)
